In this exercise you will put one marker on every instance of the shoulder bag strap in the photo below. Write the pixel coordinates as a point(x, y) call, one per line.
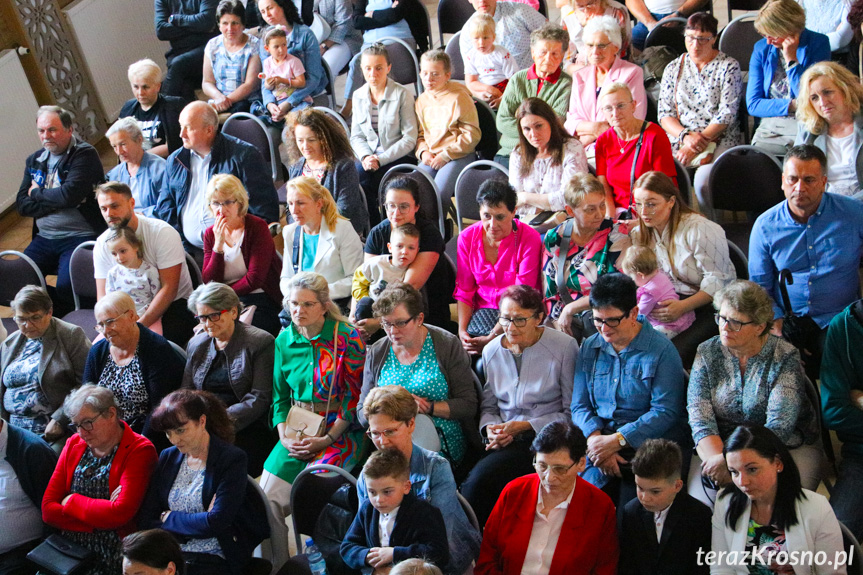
point(635, 159)
point(296, 252)
point(335, 365)
point(563, 252)
point(677, 85)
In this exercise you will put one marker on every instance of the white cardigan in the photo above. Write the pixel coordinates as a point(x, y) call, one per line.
point(339, 255)
point(817, 530)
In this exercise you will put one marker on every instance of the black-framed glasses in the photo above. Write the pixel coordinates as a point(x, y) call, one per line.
point(32, 320)
point(104, 325)
point(399, 324)
point(212, 317)
point(733, 324)
point(385, 433)
point(516, 321)
point(87, 424)
point(559, 470)
point(609, 321)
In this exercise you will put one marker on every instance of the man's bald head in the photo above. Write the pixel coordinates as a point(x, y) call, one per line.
point(199, 123)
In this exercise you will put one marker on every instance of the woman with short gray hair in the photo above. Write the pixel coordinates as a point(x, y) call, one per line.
point(747, 376)
point(157, 112)
point(39, 365)
point(142, 171)
point(101, 478)
point(234, 362)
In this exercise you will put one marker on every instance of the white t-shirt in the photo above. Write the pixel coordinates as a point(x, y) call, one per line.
point(664, 6)
point(195, 214)
point(842, 165)
point(163, 249)
point(235, 265)
point(491, 68)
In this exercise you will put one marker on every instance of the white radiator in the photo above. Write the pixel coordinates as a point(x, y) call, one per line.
point(18, 137)
point(113, 34)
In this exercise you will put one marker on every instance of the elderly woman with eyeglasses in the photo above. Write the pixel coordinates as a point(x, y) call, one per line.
point(139, 366)
point(529, 372)
point(748, 376)
point(101, 478)
point(39, 365)
point(575, 15)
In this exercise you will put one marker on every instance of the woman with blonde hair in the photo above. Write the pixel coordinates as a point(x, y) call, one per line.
point(691, 250)
point(239, 251)
point(319, 239)
point(327, 386)
point(829, 118)
point(158, 113)
point(319, 148)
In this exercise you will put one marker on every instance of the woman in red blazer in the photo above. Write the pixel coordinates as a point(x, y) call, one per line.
point(239, 251)
point(100, 479)
point(574, 518)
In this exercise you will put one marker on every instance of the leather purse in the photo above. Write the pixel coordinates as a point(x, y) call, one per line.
point(304, 423)
point(60, 556)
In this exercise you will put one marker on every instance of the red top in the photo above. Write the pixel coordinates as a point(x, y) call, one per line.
point(588, 538)
point(259, 254)
point(655, 155)
point(131, 469)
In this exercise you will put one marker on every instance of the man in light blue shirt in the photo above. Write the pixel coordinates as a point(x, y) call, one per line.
point(629, 387)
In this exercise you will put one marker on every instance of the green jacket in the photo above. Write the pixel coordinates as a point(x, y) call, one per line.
point(842, 371)
point(517, 90)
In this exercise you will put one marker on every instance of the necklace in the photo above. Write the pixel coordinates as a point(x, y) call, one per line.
point(619, 143)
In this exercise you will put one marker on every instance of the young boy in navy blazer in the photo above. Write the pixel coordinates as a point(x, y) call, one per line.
point(664, 527)
point(393, 525)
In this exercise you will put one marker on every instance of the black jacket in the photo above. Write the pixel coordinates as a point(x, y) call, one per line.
point(32, 460)
point(194, 23)
point(409, 10)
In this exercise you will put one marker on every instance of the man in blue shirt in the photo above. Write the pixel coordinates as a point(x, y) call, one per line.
point(629, 387)
point(818, 237)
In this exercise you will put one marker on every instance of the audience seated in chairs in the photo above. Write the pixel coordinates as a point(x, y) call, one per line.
point(543, 79)
point(232, 62)
point(575, 18)
point(603, 65)
point(139, 366)
point(199, 491)
point(493, 254)
point(649, 13)
point(800, 235)
point(99, 483)
point(239, 251)
point(448, 124)
point(691, 250)
point(383, 125)
point(163, 249)
point(328, 385)
point(40, 364)
point(550, 520)
point(390, 412)
point(830, 119)
point(206, 152)
point(430, 363)
point(375, 275)
point(57, 192)
point(771, 390)
point(620, 400)
point(320, 149)
point(158, 114)
point(142, 171)
point(234, 362)
point(543, 362)
point(188, 25)
point(514, 24)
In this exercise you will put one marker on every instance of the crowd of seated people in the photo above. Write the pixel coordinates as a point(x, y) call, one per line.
point(607, 396)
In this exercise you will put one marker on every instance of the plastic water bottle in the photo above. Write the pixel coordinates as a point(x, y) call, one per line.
point(316, 559)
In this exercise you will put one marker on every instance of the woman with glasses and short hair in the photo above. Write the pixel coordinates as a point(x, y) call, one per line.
point(575, 16)
point(746, 375)
point(39, 365)
point(534, 511)
point(138, 365)
point(529, 372)
point(101, 477)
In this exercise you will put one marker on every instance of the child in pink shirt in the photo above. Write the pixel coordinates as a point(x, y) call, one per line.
point(283, 73)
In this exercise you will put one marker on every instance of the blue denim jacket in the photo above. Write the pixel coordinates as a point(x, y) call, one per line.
point(432, 480)
point(147, 183)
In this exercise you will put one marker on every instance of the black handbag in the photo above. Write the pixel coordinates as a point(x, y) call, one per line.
point(482, 321)
point(800, 330)
point(60, 556)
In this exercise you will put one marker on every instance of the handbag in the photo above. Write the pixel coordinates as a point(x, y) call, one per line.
point(800, 330)
point(61, 556)
point(300, 421)
point(482, 321)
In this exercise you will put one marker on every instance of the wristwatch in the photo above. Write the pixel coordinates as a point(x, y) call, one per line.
point(679, 14)
point(621, 439)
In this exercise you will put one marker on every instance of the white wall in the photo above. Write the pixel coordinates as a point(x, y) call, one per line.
point(18, 137)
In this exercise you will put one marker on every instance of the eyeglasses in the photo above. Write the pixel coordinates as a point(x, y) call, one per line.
point(402, 208)
point(213, 317)
point(618, 107)
point(87, 424)
point(104, 325)
point(609, 321)
point(225, 204)
point(32, 320)
point(646, 208)
point(399, 324)
point(599, 46)
point(733, 324)
point(386, 432)
point(558, 470)
point(516, 321)
point(702, 40)
point(303, 304)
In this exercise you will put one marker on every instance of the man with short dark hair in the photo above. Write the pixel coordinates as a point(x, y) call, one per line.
point(57, 192)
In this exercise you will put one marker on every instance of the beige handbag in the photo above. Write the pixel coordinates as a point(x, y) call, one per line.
point(302, 422)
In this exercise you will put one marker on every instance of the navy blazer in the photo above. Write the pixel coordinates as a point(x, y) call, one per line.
point(419, 532)
point(238, 518)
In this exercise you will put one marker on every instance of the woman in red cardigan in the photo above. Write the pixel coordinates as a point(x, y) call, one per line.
point(536, 512)
point(100, 479)
point(239, 251)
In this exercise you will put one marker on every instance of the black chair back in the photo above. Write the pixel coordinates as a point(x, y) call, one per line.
point(454, 52)
point(405, 66)
point(746, 179)
point(253, 131)
point(738, 39)
point(310, 492)
point(17, 271)
point(669, 33)
point(452, 16)
point(430, 201)
point(82, 273)
point(748, 5)
point(738, 260)
point(489, 141)
point(194, 271)
point(467, 185)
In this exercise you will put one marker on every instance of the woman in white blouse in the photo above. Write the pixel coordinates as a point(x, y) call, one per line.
point(319, 240)
point(690, 249)
point(545, 157)
point(698, 101)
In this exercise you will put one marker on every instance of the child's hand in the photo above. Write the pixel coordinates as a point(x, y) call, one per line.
point(271, 82)
point(380, 556)
point(438, 162)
